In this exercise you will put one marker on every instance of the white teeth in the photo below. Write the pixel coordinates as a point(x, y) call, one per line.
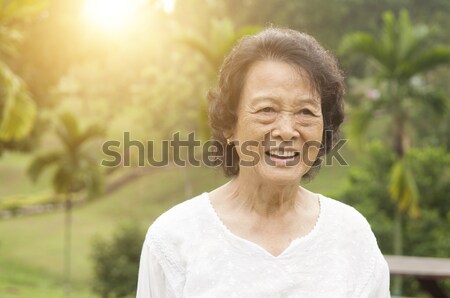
point(283, 153)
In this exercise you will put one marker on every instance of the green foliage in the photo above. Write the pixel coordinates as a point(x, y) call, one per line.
point(15, 203)
point(10, 38)
point(143, 82)
point(13, 10)
point(222, 37)
point(403, 188)
point(17, 109)
point(329, 20)
point(361, 117)
point(367, 189)
point(116, 262)
point(401, 51)
point(75, 167)
point(173, 101)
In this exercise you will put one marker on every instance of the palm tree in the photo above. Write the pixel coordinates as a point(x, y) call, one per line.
point(213, 49)
point(399, 56)
point(17, 109)
point(222, 37)
point(75, 169)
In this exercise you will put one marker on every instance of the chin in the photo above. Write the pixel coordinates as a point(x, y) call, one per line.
point(279, 176)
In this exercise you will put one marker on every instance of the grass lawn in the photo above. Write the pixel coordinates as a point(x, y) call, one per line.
point(14, 181)
point(31, 248)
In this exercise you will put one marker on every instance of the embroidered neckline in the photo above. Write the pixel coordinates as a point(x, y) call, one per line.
point(235, 238)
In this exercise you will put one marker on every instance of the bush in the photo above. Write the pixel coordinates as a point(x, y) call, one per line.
point(116, 262)
point(367, 191)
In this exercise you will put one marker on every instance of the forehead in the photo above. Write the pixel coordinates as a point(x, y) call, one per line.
point(277, 79)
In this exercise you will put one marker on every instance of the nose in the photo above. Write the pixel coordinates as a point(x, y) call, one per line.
point(285, 127)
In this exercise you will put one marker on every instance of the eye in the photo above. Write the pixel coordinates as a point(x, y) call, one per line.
point(305, 112)
point(267, 110)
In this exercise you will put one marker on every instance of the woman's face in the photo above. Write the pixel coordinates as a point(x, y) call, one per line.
point(279, 127)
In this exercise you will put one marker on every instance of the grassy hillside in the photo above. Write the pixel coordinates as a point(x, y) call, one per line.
point(31, 248)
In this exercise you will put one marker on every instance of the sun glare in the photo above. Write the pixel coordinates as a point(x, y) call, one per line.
point(115, 15)
point(111, 14)
point(168, 5)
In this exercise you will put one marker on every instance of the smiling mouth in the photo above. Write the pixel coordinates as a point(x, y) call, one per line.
point(282, 154)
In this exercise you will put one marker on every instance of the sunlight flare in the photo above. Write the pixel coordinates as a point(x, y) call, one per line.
point(168, 5)
point(111, 14)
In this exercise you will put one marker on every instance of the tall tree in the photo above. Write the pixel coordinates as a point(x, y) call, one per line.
point(213, 48)
point(398, 57)
point(75, 169)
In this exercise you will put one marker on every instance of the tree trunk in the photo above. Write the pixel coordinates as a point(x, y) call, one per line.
point(398, 250)
point(399, 137)
point(67, 244)
point(399, 147)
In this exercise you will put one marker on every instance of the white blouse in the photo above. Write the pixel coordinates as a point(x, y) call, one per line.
point(188, 252)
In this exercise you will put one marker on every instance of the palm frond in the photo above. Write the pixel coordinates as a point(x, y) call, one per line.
point(68, 129)
point(411, 39)
point(427, 60)
point(396, 181)
point(403, 188)
point(421, 35)
point(64, 180)
point(400, 49)
point(200, 45)
point(406, 36)
point(222, 37)
point(388, 41)
point(40, 163)
point(436, 100)
point(359, 43)
point(91, 132)
point(360, 118)
point(411, 195)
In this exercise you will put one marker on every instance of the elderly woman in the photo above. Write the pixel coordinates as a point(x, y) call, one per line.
point(276, 111)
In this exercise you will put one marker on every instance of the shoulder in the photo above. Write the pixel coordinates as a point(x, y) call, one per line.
point(351, 234)
point(348, 227)
point(344, 215)
point(169, 237)
point(179, 219)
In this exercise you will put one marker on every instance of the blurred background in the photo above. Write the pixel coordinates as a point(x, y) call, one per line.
point(75, 74)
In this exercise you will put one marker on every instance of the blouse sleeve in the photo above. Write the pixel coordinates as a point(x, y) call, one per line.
point(152, 281)
point(382, 279)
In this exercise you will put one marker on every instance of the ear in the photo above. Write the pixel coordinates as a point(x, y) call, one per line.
point(228, 134)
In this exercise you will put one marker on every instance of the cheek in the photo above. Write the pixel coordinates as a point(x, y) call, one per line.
point(312, 137)
point(312, 130)
point(250, 129)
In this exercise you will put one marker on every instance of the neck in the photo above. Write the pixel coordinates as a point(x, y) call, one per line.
point(264, 199)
